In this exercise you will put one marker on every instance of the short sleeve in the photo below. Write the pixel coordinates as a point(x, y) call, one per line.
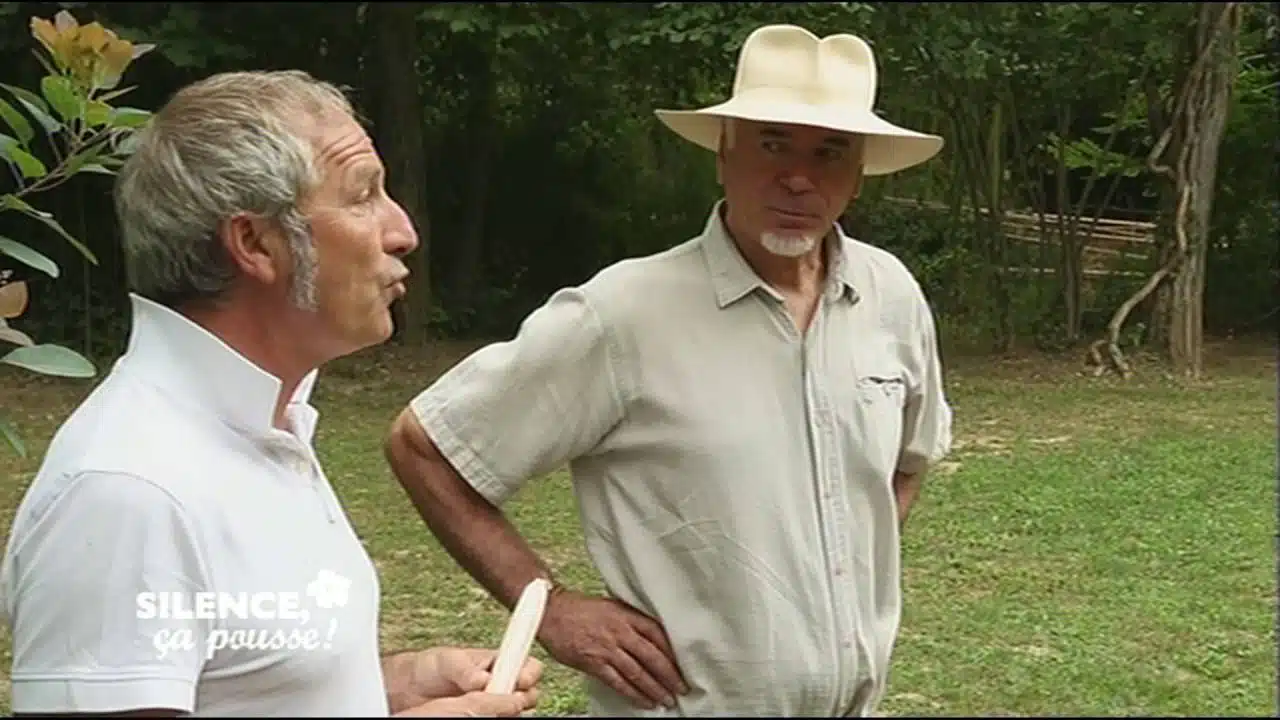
point(520, 409)
point(85, 588)
point(926, 436)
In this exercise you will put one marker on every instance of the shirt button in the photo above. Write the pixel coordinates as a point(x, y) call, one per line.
point(839, 572)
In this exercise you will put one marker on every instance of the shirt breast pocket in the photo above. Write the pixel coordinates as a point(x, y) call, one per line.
point(880, 394)
point(883, 388)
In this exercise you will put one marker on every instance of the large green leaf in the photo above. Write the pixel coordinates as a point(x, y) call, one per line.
point(97, 168)
point(29, 165)
point(50, 360)
point(13, 202)
point(10, 434)
point(13, 336)
point(62, 96)
point(96, 113)
point(17, 122)
point(127, 117)
point(36, 106)
point(29, 256)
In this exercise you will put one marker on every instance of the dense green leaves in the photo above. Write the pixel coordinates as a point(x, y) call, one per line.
point(543, 152)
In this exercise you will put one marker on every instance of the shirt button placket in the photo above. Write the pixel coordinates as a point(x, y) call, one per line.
point(835, 519)
point(838, 510)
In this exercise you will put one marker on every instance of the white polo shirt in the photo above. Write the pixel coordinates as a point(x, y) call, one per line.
point(177, 551)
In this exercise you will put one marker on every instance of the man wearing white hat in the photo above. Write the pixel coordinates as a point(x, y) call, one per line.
point(747, 418)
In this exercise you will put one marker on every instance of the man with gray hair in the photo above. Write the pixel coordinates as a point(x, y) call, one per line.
point(747, 417)
point(180, 550)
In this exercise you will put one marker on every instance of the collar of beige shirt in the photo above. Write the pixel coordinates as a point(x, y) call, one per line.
point(733, 278)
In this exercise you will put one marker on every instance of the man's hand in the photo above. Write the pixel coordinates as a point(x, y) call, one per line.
point(906, 488)
point(457, 671)
point(450, 680)
point(475, 704)
point(605, 638)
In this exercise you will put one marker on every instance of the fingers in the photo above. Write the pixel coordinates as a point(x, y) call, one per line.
point(483, 658)
point(530, 674)
point(617, 644)
point(474, 679)
point(654, 652)
point(476, 704)
point(484, 704)
point(479, 669)
point(610, 676)
point(641, 677)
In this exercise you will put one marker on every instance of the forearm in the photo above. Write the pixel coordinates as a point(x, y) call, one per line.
point(476, 534)
point(485, 544)
point(906, 488)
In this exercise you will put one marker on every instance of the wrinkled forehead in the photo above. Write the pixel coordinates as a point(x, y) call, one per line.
point(323, 126)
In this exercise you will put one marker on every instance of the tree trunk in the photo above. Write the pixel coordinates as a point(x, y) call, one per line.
point(1071, 267)
point(1000, 243)
point(396, 109)
point(1166, 245)
point(1208, 101)
point(1161, 122)
point(1199, 117)
point(483, 130)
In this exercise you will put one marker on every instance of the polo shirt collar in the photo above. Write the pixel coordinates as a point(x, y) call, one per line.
point(188, 362)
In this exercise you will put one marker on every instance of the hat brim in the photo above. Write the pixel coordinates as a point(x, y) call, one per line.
point(888, 149)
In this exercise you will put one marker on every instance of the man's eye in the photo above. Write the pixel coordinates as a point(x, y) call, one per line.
point(828, 154)
point(774, 146)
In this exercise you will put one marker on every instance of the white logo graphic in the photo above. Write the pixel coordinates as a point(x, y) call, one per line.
point(328, 591)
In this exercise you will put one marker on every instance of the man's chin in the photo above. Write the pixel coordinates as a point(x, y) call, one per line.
point(381, 330)
point(789, 245)
point(349, 340)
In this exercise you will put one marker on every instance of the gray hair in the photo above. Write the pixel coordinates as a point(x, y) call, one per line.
point(221, 146)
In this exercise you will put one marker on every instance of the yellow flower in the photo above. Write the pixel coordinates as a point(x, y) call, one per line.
point(93, 55)
point(58, 43)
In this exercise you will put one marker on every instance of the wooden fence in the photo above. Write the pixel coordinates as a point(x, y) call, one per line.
point(1110, 245)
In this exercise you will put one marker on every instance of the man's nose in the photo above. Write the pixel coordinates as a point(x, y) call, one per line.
point(399, 236)
point(797, 180)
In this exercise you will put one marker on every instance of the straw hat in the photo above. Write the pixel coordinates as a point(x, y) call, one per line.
point(788, 75)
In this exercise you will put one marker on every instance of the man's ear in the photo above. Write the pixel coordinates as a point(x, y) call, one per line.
point(256, 247)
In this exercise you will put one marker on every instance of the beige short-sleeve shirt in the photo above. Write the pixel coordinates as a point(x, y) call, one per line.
point(735, 477)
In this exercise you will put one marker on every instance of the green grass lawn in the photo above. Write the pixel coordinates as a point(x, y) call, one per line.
point(1092, 547)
